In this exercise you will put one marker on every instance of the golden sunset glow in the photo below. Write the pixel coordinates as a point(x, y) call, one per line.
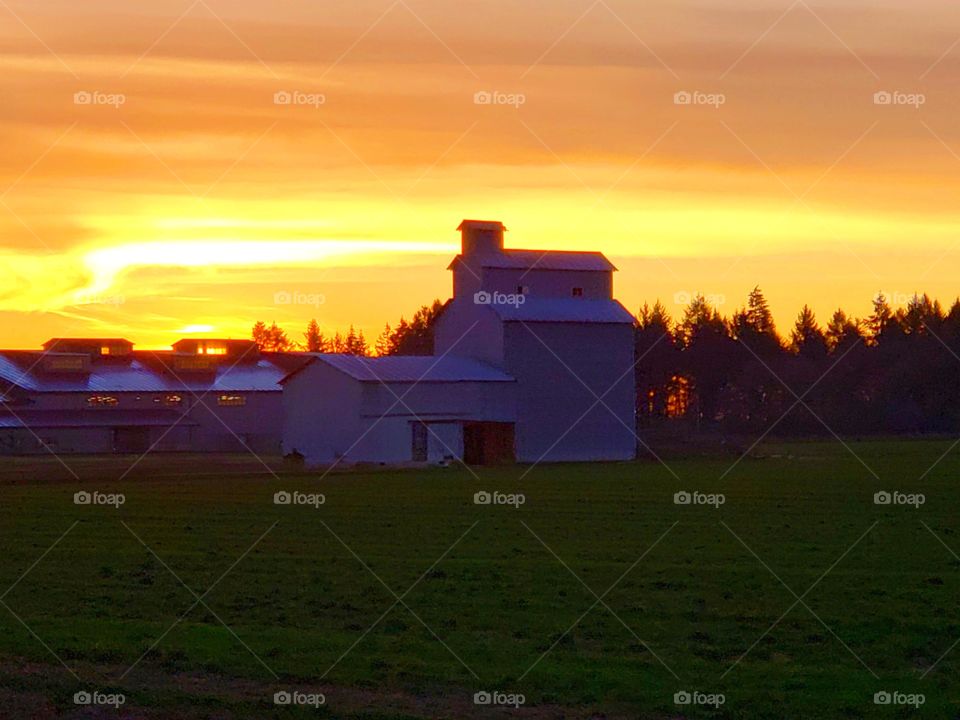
point(177, 167)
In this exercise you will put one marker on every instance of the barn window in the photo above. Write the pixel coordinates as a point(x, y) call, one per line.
point(231, 400)
point(102, 401)
point(578, 292)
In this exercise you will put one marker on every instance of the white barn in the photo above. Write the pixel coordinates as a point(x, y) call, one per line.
point(533, 361)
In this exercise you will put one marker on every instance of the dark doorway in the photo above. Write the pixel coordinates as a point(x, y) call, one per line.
point(488, 443)
point(131, 440)
point(419, 443)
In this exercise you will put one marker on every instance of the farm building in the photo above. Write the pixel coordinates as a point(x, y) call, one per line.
point(99, 395)
point(533, 360)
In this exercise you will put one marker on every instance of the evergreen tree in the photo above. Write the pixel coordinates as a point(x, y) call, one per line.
point(842, 331)
point(355, 343)
point(753, 326)
point(314, 340)
point(807, 339)
point(384, 344)
point(881, 319)
point(277, 340)
point(259, 334)
point(270, 339)
point(922, 315)
point(759, 316)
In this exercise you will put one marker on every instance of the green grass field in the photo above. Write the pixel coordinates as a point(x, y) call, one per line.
point(401, 598)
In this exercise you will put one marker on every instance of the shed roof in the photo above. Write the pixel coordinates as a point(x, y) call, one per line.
point(411, 368)
point(573, 310)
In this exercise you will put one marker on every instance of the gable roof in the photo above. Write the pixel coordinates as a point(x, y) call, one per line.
point(409, 368)
point(542, 260)
point(574, 310)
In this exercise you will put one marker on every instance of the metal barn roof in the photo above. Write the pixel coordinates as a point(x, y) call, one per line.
point(575, 310)
point(146, 372)
point(413, 368)
point(543, 260)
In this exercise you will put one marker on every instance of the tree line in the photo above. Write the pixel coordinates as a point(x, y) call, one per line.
point(896, 371)
point(406, 338)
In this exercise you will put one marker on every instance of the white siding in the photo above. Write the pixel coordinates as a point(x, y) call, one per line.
point(551, 398)
point(550, 283)
point(331, 417)
point(321, 413)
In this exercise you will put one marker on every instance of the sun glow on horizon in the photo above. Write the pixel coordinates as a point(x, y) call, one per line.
point(200, 196)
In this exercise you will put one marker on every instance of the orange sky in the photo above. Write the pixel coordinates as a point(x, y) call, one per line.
point(183, 197)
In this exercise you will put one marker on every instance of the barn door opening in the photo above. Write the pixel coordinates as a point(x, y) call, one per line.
point(419, 442)
point(488, 443)
point(131, 439)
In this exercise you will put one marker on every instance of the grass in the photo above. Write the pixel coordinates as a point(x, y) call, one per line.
point(490, 597)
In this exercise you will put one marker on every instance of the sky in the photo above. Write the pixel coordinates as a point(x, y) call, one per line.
point(194, 166)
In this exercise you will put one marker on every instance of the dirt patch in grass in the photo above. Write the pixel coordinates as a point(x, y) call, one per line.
point(35, 691)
